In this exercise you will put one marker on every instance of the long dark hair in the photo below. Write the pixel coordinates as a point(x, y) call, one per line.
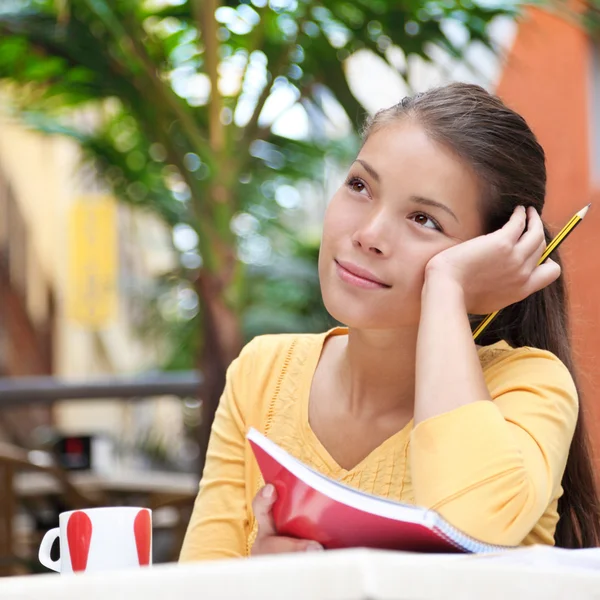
point(505, 154)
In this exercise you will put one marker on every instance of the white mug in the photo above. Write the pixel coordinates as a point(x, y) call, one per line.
point(98, 539)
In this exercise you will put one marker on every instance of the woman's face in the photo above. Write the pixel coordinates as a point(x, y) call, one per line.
point(405, 199)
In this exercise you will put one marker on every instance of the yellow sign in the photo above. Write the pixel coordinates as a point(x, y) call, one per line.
point(92, 290)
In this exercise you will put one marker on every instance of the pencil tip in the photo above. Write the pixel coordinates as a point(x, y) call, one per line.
point(584, 210)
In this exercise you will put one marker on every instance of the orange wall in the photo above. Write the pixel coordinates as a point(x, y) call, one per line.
point(547, 80)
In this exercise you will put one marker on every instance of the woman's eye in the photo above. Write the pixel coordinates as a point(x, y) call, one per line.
point(426, 221)
point(356, 185)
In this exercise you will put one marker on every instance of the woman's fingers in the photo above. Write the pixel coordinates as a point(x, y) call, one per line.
point(261, 506)
point(543, 275)
point(281, 545)
point(532, 243)
point(267, 541)
point(528, 249)
point(514, 227)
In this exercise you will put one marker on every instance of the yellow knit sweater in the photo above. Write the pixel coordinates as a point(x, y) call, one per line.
point(492, 469)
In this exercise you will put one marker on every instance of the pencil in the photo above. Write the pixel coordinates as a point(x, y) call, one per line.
point(550, 248)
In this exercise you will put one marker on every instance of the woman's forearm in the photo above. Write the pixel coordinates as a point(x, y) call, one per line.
point(448, 371)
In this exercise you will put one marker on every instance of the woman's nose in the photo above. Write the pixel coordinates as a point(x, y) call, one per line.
point(371, 236)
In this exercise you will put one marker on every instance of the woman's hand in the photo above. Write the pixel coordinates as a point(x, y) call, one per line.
point(267, 541)
point(498, 269)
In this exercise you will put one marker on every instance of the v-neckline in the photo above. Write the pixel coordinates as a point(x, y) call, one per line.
point(310, 437)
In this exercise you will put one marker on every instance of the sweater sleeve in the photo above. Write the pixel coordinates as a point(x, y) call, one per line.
point(492, 468)
point(217, 527)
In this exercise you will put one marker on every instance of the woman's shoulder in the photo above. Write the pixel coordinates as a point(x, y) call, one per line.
point(275, 344)
point(506, 366)
point(267, 354)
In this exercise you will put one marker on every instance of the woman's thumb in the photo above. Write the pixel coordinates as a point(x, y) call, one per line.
point(261, 506)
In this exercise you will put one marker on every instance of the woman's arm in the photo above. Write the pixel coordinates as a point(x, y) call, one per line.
point(220, 524)
point(478, 276)
point(219, 521)
point(448, 372)
point(491, 468)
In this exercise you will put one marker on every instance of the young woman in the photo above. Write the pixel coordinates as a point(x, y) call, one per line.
point(438, 221)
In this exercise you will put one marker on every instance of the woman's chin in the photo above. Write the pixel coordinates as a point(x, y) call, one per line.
point(358, 319)
point(368, 315)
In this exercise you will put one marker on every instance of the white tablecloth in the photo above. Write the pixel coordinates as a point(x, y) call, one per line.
point(342, 575)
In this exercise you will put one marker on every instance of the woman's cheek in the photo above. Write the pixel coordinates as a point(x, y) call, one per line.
point(338, 229)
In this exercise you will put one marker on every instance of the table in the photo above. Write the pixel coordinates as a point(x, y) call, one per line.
point(341, 575)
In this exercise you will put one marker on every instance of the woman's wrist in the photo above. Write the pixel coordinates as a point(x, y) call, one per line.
point(439, 285)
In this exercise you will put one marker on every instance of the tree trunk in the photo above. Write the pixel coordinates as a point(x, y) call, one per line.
point(222, 342)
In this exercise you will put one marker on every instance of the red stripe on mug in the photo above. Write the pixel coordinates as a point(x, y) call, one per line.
point(142, 529)
point(79, 536)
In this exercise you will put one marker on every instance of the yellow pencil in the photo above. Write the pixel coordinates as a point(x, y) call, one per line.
point(551, 247)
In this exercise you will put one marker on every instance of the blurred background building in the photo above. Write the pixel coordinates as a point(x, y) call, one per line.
point(74, 264)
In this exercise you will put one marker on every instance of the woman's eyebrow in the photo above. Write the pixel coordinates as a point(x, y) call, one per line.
point(369, 169)
point(435, 203)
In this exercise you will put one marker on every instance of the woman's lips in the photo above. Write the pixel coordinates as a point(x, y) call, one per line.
point(359, 277)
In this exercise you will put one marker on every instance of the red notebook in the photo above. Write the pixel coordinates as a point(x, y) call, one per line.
point(312, 506)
